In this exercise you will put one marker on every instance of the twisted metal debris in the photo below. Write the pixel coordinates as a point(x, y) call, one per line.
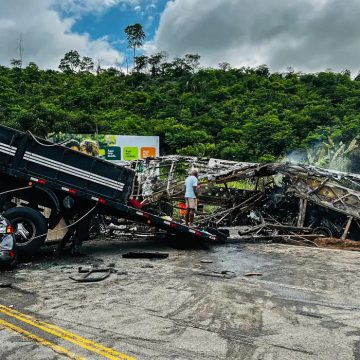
point(268, 199)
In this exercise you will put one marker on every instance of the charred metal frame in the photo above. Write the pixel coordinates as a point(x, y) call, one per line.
point(331, 193)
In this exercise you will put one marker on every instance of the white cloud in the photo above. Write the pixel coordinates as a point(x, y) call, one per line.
point(46, 36)
point(309, 35)
point(149, 48)
point(79, 7)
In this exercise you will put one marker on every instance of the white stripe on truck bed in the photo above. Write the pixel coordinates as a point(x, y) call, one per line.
point(56, 165)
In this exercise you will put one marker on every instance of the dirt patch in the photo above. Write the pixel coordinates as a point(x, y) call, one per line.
point(339, 244)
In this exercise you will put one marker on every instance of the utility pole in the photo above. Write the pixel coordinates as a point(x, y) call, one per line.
point(18, 62)
point(20, 50)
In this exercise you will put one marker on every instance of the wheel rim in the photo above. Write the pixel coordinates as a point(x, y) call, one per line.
point(326, 232)
point(25, 230)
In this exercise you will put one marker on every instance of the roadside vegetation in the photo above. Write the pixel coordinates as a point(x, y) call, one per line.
point(247, 114)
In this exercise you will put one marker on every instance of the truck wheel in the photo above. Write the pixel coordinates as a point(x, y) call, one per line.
point(30, 228)
point(323, 230)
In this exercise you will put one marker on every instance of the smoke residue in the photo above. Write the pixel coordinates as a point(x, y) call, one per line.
point(328, 155)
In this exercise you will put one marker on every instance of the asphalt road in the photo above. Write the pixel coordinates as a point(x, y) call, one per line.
point(304, 304)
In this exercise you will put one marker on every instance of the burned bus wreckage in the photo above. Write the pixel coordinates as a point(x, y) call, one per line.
point(255, 200)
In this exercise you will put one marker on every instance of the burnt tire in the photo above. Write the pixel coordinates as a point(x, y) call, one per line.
point(30, 229)
point(324, 231)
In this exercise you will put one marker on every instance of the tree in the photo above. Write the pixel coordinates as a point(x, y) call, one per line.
point(193, 61)
point(73, 62)
point(155, 62)
point(86, 64)
point(70, 62)
point(135, 36)
point(140, 63)
point(31, 73)
point(224, 66)
point(179, 67)
point(262, 70)
point(17, 63)
point(246, 114)
point(98, 66)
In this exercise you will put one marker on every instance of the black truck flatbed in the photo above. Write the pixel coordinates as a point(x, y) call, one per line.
point(25, 159)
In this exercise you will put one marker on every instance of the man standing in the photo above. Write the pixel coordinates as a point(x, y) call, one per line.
point(191, 196)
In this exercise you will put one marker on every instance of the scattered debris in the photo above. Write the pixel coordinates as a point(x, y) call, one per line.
point(226, 274)
point(147, 266)
point(87, 278)
point(339, 244)
point(145, 255)
point(5, 285)
point(253, 274)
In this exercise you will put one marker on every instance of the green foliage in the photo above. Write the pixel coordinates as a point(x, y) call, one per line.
point(16, 63)
point(72, 62)
point(238, 114)
point(135, 36)
point(331, 155)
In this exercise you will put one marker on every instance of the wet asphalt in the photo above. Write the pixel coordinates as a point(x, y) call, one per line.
point(235, 301)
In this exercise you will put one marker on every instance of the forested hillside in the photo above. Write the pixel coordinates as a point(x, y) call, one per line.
point(243, 114)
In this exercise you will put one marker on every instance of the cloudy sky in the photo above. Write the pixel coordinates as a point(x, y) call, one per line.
point(308, 35)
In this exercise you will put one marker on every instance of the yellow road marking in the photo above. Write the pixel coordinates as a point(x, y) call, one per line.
point(66, 335)
point(58, 349)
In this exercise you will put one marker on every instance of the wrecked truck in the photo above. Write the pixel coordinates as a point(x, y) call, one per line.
point(37, 175)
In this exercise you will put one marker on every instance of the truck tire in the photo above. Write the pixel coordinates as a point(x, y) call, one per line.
point(30, 228)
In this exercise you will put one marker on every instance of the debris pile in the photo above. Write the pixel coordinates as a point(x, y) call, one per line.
point(287, 201)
